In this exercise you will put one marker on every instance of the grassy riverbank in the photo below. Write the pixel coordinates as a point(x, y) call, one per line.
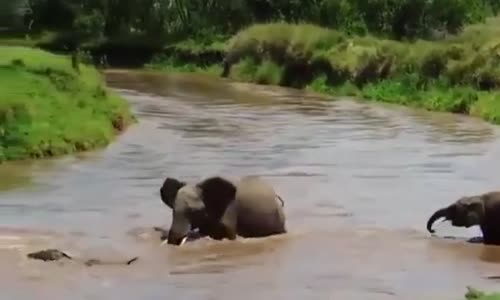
point(475, 294)
point(48, 109)
point(459, 74)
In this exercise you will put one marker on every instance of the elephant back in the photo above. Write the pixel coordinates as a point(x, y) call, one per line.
point(259, 212)
point(255, 194)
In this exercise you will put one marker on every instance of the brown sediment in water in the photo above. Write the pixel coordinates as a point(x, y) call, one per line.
point(366, 262)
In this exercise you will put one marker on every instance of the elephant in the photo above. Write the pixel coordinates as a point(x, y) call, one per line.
point(222, 209)
point(482, 209)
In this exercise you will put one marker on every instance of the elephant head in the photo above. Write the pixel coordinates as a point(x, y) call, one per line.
point(465, 212)
point(188, 211)
point(198, 206)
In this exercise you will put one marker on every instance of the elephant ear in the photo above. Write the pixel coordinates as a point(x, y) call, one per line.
point(217, 194)
point(169, 190)
point(476, 205)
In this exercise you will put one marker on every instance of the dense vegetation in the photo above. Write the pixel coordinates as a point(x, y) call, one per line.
point(460, 74)
point(177, 19)
point(47, 108)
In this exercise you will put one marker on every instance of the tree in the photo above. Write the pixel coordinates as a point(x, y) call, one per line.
point(12, 13)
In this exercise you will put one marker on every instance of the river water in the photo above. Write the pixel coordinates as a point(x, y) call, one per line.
point(359, 181)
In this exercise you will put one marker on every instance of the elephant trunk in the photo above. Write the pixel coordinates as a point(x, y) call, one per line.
point(441, 213)
point(176, 239)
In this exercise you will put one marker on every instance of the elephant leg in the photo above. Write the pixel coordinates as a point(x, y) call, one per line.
point(229, 221)
point(491, 233)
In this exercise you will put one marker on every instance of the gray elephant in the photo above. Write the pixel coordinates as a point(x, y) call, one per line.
point(221, 209)
point(482, 210)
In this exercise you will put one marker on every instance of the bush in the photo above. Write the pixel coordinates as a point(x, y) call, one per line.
point(90, 24)
point(48, 109)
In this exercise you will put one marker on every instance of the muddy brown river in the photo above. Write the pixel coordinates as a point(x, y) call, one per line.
point(359, 180)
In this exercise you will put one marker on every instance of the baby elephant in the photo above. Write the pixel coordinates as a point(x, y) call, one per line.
point(222, 209)
point(482, 210)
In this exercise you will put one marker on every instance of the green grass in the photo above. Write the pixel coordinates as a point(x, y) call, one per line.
point(48, 109)
point(475, 294)
point(202, 44)
point(196, 54)
point(459, 74)
point(170, 64)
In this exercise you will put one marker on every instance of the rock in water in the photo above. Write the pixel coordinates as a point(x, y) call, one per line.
point(95, 261)
point(48, 255)
point(132, 260)
point(54, 254)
